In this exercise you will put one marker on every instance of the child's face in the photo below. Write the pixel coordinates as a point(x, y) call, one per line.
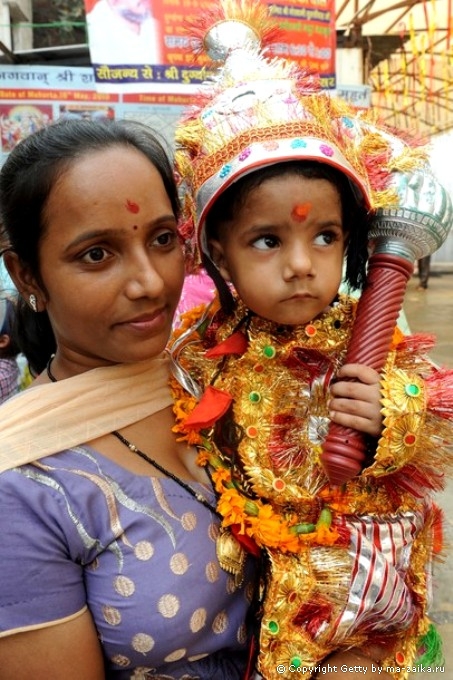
point(284, 251)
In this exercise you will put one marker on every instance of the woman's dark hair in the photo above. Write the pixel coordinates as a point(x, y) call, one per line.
point(355, 217)
point(26, 181)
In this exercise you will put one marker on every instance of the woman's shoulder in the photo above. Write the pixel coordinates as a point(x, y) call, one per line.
point(67, 479)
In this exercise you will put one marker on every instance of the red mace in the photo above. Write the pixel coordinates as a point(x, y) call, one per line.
point(414, 228)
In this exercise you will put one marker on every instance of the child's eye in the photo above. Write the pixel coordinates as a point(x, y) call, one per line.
point(266, 243)
point(326, 238)
point(96, 254)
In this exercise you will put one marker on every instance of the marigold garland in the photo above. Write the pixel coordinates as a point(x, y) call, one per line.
point(251, 517)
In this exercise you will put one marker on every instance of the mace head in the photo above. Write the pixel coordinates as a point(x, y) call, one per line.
point(419, 223)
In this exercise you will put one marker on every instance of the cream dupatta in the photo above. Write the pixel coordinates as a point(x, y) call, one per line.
point(50, 418)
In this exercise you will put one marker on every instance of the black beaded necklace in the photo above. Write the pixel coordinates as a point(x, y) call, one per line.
point(198, 497)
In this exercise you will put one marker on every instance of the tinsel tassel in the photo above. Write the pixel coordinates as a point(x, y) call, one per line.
point(437, 530)
point(439, 386)
point(430, 648)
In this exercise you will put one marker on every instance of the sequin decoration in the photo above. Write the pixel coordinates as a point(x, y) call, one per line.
point(278, 484)
point(269, 352)
point(326, 150)
point(273, 627)
point(412, 390)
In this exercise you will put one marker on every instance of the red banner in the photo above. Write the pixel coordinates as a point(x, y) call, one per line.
point(144, 44)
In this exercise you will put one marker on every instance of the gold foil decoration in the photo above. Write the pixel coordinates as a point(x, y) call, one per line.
point(231, 556)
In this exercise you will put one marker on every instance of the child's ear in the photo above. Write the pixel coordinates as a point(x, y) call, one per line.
point(218, 257)
point(4, 341)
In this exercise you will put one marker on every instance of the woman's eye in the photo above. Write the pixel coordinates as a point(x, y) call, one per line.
point(94, 255)
point(165, 238)
point(265, 243)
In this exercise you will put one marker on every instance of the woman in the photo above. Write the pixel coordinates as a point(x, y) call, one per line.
point(109, 565)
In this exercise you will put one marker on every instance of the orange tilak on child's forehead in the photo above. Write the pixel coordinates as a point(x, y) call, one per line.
point(301, 211)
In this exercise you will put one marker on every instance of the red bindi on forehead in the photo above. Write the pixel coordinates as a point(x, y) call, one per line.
point(301, 211)
point(132, 206)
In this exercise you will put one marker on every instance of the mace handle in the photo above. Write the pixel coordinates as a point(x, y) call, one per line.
point(377, 313)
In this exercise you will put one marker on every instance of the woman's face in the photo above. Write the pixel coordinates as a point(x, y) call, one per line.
point(110, 260)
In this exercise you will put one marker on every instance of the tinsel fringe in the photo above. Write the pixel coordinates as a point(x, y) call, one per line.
point(430, 645)
point(254, 13)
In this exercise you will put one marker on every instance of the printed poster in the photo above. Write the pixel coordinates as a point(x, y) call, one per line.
point(32, 97)
point(143, 45)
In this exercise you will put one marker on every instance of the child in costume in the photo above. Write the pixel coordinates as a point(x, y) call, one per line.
point(282, 182)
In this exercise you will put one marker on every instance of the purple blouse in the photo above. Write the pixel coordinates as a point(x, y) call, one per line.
point(139, 551)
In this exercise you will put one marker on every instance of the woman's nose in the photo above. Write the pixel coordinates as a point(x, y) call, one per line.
point(143, 279)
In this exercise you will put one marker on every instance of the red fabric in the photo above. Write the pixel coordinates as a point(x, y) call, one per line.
point(212, 406)
point(245, 541)
point(235, 344)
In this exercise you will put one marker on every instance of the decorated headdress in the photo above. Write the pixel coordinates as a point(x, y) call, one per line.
point(258, 110)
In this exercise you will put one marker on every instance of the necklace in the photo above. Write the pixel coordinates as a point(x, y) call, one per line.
point(50, 375)
point(230, 554)
point(198, 496)
point(201, 499)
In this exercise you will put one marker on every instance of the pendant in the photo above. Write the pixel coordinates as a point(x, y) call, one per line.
point(231, 556)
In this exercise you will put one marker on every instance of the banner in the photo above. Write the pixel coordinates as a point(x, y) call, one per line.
point(143, 45)
point(34, 96)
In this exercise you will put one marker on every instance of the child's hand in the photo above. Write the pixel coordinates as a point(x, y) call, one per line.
point(355, 399)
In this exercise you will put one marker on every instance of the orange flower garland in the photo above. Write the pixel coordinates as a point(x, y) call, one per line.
point(249, 517)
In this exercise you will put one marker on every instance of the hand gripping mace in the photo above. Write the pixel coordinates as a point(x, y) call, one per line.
point(414, 228)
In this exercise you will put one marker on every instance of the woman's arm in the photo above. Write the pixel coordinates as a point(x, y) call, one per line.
point(66, 651)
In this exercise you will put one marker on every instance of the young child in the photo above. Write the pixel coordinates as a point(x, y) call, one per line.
point(9, 368)
point(282, 183)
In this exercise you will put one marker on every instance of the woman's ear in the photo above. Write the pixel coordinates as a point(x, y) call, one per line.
point(24, 280)
point(218, 257)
